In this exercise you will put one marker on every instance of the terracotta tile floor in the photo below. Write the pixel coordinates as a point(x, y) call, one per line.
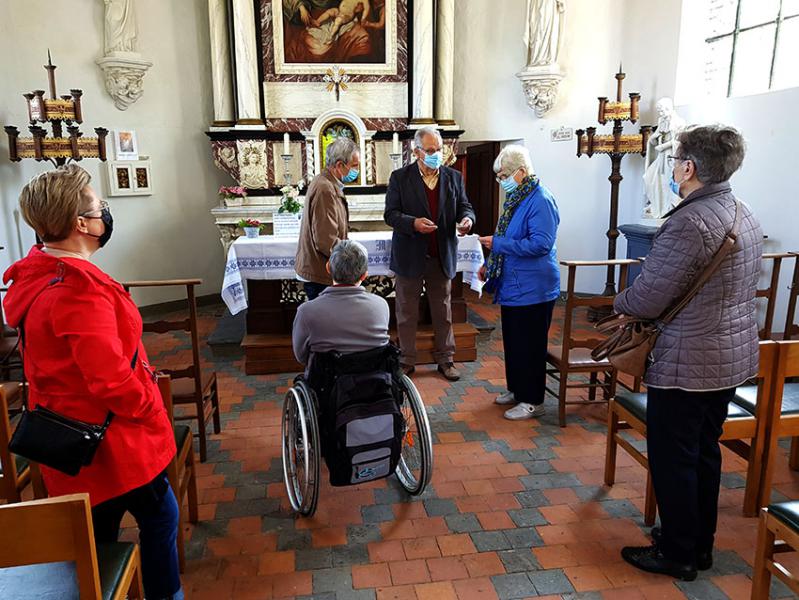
point(514, 510)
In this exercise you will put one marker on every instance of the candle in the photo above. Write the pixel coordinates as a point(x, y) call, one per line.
point(286, 149)
point(395, 143)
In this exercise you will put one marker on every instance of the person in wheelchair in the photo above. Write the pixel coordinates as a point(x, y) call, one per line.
point(353, 407)
point(344, 317)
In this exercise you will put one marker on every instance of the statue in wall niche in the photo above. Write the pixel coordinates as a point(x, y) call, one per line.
point(662, 144)
point(120, 26)
point(544, 31)
point(543, 37)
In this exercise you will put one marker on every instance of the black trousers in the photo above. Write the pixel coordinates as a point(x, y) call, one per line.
point(683, 430)
point(525, 331)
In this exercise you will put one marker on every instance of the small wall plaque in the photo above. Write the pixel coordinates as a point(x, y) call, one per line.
point(561, 134)
point(130, 178)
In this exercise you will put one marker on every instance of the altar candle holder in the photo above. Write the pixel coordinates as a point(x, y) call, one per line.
point(396, 160)
point(286, 172)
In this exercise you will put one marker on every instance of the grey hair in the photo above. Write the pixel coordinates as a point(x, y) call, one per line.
point(426, 130)
point(512, 158)
point(717, 151)
point(342, 149)
point(349, 261)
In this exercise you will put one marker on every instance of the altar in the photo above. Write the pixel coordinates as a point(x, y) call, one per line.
point(260, 278)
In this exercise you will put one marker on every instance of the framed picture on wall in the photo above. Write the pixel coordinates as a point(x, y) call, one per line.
point(130, 178)
point(125, 145)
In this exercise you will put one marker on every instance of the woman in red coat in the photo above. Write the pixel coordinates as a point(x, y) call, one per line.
point(84, 358)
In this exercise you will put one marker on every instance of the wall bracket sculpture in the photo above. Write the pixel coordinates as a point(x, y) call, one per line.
point(543, 34)
point(123, 67)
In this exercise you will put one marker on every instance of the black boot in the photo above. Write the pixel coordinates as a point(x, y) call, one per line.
point(704, 560)
point(651, 560)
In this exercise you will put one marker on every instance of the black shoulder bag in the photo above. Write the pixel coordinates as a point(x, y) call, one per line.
point(51, 439)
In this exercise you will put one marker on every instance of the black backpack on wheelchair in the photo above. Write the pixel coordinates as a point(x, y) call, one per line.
point(361, 425)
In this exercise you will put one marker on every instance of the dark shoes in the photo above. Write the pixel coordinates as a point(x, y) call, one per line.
point(651, 560)
point(408, 370)
point(449, 371)
point(704, 560)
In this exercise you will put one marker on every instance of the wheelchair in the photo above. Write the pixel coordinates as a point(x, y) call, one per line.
point(310, 419)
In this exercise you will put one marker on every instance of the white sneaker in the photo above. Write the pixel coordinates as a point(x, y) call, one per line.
point(524, 411)
point(505, 398)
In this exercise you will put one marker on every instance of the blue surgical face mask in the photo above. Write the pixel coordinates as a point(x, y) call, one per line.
point(675, 187)
point(351, 176)
point(509, 184)
point(433, 160)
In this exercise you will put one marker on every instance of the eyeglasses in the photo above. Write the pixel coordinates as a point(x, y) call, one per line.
point(103, 206)
point(500, 178)
point(430, 151)
point(672, 160)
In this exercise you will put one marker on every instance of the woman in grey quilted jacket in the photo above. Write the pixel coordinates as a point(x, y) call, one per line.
point(703, 354)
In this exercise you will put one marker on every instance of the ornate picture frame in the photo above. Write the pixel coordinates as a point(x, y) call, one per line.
point(321, 41)
point(130, 178)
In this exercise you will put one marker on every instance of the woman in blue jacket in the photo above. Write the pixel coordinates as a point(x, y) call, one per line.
point(523, 274)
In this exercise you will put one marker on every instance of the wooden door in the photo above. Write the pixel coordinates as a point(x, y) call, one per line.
point(481, 185)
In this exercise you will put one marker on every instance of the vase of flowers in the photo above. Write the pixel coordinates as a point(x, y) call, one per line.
point(232, 196)
point(290, 202)
point(252, 227)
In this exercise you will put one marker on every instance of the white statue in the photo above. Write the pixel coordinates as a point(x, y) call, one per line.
point(662, 144)
point(544, 31)
point(120, 26)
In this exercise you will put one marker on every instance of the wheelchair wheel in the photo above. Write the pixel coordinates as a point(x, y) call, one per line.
point(301, 448)
point(416, 461)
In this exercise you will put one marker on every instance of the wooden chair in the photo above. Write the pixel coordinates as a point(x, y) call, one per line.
point(791, 328)
point(628, 411)
point(770, 292)
point(181, 472)
point(189, 386)
point(778, 532)
point(10, 357)
point(16, 473)
point(573, 356)
point(58, 531)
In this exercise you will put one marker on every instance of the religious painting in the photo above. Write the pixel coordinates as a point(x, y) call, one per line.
point(331, 132)
point(129, 178)
point(125, 145)
point(311, 35)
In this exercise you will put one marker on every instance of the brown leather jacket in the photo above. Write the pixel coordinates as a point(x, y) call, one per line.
point(324, 222)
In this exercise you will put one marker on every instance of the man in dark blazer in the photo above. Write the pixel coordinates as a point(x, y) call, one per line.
point(427, 207)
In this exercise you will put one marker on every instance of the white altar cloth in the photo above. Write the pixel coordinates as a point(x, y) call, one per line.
point(270, 257)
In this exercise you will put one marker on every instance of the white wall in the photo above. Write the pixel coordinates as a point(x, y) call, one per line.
point(645, 36)
point(171, 233)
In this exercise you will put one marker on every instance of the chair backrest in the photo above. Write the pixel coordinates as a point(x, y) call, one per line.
point(8, 482)
point(165, 387)
point(600, 302)
point(774, 260)
point(188, 325)
point(52, 530)
point(791, 328)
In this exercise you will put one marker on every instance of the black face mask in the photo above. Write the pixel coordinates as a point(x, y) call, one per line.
point(108, 221)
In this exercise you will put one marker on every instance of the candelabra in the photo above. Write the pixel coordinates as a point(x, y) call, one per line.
point(57, 149)
point(616, 146)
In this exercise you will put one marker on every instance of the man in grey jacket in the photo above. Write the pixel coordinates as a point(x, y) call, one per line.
point(703, 354)
point(344, 317)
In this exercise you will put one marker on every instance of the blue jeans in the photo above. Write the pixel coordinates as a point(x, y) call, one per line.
point(156, 512)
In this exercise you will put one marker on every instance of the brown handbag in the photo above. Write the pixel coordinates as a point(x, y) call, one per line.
point(631, 339)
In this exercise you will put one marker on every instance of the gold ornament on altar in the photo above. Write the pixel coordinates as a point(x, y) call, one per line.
point(336, 79)
point(57, 149)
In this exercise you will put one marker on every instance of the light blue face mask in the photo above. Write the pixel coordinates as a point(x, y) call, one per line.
point(351, 176)
point(675, 187)
point(433, 160)
point(509, 184)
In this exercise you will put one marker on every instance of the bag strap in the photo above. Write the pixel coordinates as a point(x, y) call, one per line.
point(59, 277)
point(726, 247)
